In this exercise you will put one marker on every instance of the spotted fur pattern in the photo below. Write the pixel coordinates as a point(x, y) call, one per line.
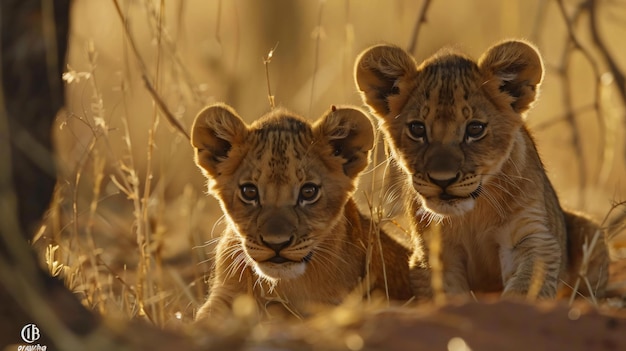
point(294, 233)
point(455, 127)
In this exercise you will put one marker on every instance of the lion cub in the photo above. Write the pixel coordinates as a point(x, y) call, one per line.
point(294, 232)
point(456, 129)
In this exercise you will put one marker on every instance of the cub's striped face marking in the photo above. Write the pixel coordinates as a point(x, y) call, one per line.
point(282, 182)
point(450, 121)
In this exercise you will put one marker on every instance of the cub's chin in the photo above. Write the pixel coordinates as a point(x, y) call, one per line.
point(277, 271)
point(448, 207)
point(441, 204)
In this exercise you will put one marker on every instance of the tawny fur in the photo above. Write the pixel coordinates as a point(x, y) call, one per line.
point(456, 130)
point(321, 238)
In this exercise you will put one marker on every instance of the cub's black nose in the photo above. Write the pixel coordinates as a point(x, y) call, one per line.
point(442, 182)
point(276, 243)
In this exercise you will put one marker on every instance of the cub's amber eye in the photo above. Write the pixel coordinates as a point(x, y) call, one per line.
point(249, 193)
point(309, 193)
point(417, 130)
point(475, 130)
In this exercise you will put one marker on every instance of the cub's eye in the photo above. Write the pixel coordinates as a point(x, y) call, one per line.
point(475, 130)
point(249, 193)
point(417, 130)
point(309, 193)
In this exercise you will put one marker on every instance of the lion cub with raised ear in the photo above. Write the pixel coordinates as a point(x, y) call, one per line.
point(294, 233)
point(456, 129)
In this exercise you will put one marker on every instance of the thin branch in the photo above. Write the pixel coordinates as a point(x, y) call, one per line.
point(539, 22)
point(569, 117)
point(218, 23)
point(146, 77)
point(618, 75)
point(318, 38)
point(180, 10)
point(266, 62)
point(614, 225)
point(421, 18)
point(575, 42)
point(559, 119)
point(169, 46)
point(164, 109)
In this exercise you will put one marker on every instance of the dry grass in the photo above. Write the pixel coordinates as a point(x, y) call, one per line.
point(131, 229)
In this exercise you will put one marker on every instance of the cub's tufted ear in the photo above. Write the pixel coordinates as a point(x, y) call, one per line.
point(215, 130)
point(516, 68)
point(381, 74)
point(350, 134)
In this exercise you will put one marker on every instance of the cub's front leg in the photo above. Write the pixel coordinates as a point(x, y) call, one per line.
point(531, 265)
point(419, 269)
point(454, 260)
point(229, 279)
point(452, 266)
point(421, 280)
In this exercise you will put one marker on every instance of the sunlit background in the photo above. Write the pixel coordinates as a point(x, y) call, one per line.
point(131, 217)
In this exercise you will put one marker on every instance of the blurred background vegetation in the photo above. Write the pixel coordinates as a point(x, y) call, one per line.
point(130, 223)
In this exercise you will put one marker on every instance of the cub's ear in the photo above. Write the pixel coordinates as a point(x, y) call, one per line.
point(215, 130)
point(381, 73)
point(516, 67)
point(350, 134)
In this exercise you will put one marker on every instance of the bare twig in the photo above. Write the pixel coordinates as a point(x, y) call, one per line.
point(266, 62)
point(164, 109)
point(236, 40)
point(569, 117)
point(146, 77)
point(348, 56)
point(562, 118)
point(618, 75)
point(577, 45)
point(318, 39)
point(180, 10)
point(588, 250)
point(98, 175)
point(540, 20)
point(421, 18)
point(218, 22)
point(604, 234)
point(615, 224)
point(169, 47)
point(144, 239)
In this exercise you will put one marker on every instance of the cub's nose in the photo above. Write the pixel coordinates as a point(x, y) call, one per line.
point(276, 232)
point(443, 180)
point(276, 243)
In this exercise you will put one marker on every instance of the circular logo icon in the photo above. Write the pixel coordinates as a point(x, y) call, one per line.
point(30, 333)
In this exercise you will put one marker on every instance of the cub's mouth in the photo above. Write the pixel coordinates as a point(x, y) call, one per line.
point(446, 204)
point(280, 267)
point(278, 259)
point(445, 196)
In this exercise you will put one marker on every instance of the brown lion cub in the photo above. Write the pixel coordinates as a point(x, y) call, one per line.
point(456, 129)
point(294, 232)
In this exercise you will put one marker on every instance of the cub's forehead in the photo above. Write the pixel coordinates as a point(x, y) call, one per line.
point(449, 60)
point(446, 79)
point(280, 148)
point(281, 127)
point(443, 87)
point(451, 70)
